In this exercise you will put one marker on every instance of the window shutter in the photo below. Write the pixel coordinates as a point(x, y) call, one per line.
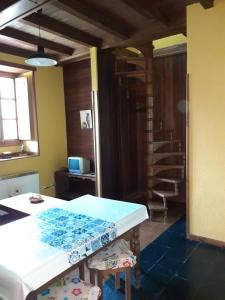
point(22, 105)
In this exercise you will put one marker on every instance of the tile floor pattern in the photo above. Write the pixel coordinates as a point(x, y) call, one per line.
point(174, 268)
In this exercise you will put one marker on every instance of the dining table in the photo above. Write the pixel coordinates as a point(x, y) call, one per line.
point(56, 236)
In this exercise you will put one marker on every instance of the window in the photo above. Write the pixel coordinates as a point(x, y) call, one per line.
point(18, 123)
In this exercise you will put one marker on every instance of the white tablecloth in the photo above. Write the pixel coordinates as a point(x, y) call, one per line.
point(27, 262)
point(22, 203)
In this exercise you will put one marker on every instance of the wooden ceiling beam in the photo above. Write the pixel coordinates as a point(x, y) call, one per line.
point(6, 3)
point(19, 51)
point(35, 40)
point(206, 3)
point(19, 9)
point(66, 31)
point(152, 34)
point(124, 52)
point(89, 13)
point(148, 10)
point(166, 33)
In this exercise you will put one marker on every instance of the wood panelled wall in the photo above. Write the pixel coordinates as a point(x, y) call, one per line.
point(77, 89)
point(169, 82)
point(108, 111)
point(129, 141)
point(120, 126)
point(122, 130)
point(121, 123)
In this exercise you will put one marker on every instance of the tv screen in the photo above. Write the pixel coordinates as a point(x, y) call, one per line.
point(78, 165)
point(74, 164)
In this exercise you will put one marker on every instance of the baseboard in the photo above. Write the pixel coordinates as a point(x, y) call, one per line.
point(206, 240)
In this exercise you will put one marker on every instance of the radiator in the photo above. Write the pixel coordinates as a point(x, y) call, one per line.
point(16, 184)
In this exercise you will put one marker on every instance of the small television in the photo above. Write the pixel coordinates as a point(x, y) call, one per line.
point(78, 165)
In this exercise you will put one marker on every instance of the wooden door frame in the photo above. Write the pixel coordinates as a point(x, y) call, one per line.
point(187, 159)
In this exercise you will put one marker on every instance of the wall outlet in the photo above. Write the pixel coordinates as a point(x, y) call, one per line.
point(17, 190)
point(14, 191)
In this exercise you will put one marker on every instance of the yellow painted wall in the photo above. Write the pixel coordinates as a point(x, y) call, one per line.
point(206, 68)
point(169, 41)
point(94, 72)
point(51, 127)
point(164, 42)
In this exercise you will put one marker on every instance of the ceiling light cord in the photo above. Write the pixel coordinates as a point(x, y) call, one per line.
point(40, 58)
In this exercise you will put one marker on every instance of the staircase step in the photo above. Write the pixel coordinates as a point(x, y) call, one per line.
point(153, 170)
point(132, 60)
point(165, 142)
point(155, 145)
point(135, 73)
point(157, 156)
point(157, 179)
point(167, 154)
point(139, 87)
point(156, 206)
point(129, 59)
point(166, 194)
point(162, 167)
point(170, 180)
point(137, 61)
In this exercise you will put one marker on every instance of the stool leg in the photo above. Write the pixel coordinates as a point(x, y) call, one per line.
point(92, 276)
point(127, 284)
point(81, 271)
point(117, 280)
point(100, 283)
point(136, 243)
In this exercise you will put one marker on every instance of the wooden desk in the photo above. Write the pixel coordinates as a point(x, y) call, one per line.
point(70, 186)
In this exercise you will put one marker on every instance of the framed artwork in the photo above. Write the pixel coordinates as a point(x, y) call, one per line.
point(86, 119)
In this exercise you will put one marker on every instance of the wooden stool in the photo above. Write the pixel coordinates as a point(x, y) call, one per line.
point(113, 260)
point(70, 287)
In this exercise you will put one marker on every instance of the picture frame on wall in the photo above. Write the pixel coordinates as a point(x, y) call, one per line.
point(86, 119)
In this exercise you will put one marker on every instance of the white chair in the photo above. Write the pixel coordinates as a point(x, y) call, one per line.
point(70, 287)
point(113, 260)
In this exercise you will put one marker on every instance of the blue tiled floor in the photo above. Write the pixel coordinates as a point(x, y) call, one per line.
point(174, 268)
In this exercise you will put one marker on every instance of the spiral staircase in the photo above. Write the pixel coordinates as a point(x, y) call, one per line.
point(165, 156)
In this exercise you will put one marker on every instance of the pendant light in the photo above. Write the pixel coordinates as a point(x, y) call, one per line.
point(40, 58)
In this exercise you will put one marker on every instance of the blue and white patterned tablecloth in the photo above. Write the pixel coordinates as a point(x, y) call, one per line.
point(77, 234)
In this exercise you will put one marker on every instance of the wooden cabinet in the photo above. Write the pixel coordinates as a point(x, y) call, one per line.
point(70, 186)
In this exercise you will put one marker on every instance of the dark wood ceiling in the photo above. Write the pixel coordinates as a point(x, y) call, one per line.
point(68, 28)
